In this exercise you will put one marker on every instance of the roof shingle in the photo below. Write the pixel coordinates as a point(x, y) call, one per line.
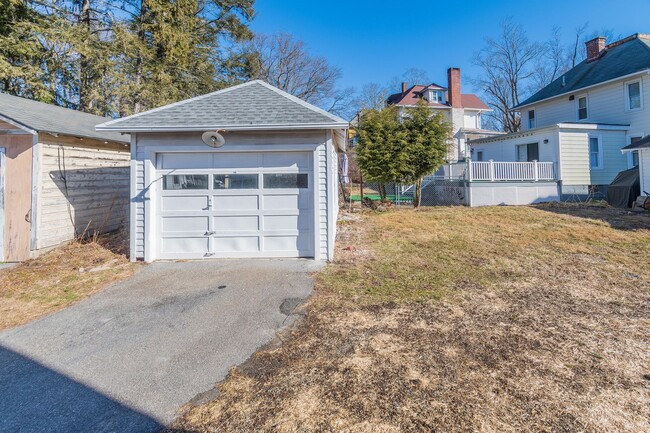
point(43, 117)
point(255, 104)
point(621, 58)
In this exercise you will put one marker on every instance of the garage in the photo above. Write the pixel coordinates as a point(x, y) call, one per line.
point(268, 188)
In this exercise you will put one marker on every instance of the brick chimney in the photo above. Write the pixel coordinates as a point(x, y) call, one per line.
point(595, 48)
point(453, 93)
point(404, 86)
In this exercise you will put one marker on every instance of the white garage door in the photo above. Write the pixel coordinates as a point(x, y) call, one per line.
point(235, 205)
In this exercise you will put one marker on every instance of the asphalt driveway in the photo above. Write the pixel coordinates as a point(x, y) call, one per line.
point(129, 357)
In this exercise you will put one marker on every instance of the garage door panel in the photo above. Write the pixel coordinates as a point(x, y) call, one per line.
point(287, 201)
point(236, 223)
point(185, 160)
point(286, 243)
point(185, 224)
point(287, 160)
point(184, 203)
point(234, 216)
point(185, 245)
point(236, 244)
point(281, 222)
point(235, 202)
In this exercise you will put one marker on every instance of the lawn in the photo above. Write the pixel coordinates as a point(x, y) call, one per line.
point(496, 319)
point(61, 277)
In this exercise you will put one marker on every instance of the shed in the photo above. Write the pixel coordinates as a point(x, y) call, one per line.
point(59, 177)
point(270, 191)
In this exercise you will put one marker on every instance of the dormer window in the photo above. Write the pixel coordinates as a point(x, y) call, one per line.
point(435, 96)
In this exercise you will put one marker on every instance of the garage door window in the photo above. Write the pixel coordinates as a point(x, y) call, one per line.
point(185, 181)
point(235, 181)
point(286, 180)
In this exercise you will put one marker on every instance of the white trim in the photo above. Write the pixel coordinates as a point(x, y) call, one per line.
point(202, 128)
point(36, 184)
point(18, 125)
point(601, 164)
point(337, 121)
point(316, 198)
point(149, 215)
point(578, 98)
point(133, 192)
point(529, 128)
point(627, 95)
point(630, 152)
point(569, 126)
point(330, 194)
point(3, 169)
point(582, 89)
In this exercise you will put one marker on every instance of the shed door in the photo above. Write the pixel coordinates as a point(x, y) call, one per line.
point(235, 205)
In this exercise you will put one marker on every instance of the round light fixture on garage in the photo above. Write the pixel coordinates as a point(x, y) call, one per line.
point(213, 138)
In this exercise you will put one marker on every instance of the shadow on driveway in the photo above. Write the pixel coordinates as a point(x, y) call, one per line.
point(35, 398)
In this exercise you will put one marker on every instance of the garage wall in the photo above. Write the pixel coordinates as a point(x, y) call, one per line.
point(146, 144)
point(80, 187)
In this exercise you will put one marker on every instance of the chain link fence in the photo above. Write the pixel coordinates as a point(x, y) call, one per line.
point(434, 192)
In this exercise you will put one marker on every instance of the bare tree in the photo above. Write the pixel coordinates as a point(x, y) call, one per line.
point(411, 76)
point(554, 60)
point(284, 62)
point(371, 97)
point(507, 62)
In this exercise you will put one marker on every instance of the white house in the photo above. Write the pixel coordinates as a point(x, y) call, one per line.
point(463, 111)
point(269, 191)
point(583, 119)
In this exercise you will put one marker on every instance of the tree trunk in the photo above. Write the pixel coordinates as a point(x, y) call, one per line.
point(418, 193)
point(382, 192)
point(137, 106)
point(85, 67)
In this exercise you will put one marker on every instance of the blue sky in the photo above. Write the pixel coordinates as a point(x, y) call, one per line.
point(374, 41)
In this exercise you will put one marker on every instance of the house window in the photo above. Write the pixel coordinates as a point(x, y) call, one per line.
point(528, 152)
point(436, 96)
point(633, 157)
point(595, 152)
point(633, 95)
point(479, 155)
point(532, 124)
point(582, 108)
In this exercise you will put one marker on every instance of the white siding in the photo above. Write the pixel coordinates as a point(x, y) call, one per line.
point(614, 161)
point(80, 188)
point(644, 169)
point(606, 104)
point(504, 149)
point(148, 144)
point(574, 167)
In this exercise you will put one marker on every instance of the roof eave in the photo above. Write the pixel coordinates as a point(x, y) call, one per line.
point(622, 77)
point(203, 128)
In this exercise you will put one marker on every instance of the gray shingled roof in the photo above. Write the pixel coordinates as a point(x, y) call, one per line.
point(644, 143)
point(43, 117)
point(620, 60)
point(252, 105)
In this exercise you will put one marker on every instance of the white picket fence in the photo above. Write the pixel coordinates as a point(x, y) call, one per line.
point(497, 171)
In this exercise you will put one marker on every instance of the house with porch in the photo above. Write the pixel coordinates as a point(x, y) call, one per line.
point(462, 110)
point(581, 121)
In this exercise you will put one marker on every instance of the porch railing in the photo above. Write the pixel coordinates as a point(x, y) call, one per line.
point(497, 171)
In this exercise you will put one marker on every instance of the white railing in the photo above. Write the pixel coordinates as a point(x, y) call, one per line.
point(495, 171)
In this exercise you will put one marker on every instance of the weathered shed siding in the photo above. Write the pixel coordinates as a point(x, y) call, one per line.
point(17, 194)
point(80, 189)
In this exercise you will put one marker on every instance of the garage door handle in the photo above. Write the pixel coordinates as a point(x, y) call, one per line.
point(209, 233)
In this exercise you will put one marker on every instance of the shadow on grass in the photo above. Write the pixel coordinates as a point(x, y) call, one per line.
point(617, 218)
point(35, 398)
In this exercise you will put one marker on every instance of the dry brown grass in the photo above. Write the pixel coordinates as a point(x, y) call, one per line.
point(527, 319)
point(61, 277)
